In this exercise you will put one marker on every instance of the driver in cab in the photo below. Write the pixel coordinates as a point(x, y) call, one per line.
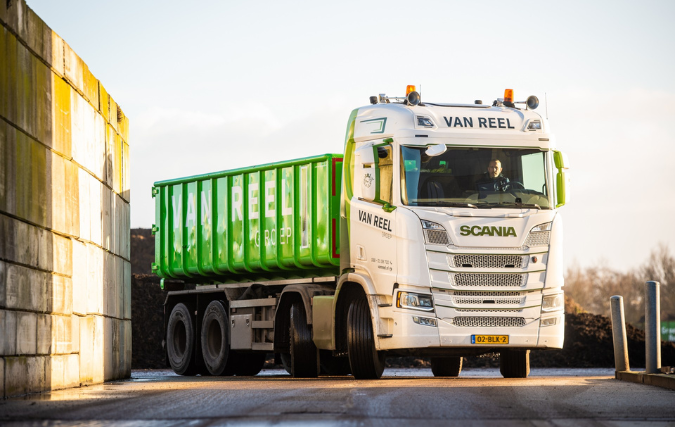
point(493, 180)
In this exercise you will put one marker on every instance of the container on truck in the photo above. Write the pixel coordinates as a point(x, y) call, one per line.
point(435, 234)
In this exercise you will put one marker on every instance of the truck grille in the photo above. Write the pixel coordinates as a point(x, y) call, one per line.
point(487, 310)
point(488, 321)
point(437, 237)
point(486, 293)
point(489, 279)
point(488, 261)
point(482, 300)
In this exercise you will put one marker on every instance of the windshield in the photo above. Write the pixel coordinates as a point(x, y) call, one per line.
point(475, 177)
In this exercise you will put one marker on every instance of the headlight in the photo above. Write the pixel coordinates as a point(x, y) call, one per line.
point(541, 227)
point(540, 235)
point(414, 301)
point(424, 321)
point(552, 302)
point(435, 234)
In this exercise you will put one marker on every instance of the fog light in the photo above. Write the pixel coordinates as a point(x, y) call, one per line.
point(425, 321)
point(549, 322)
point(552, 302)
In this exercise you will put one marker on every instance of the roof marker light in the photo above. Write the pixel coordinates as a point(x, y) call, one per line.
point(408, 89)
point(508, 95)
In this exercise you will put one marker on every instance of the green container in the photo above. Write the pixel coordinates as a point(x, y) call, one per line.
point(268, 222)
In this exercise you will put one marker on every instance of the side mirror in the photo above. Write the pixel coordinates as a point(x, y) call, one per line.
point(562, 178)
point(436, 150)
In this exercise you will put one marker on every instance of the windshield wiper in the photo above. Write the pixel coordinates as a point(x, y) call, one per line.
point(448, 204)
point(508, 204)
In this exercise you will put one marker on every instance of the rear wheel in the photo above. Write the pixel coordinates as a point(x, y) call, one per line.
point(514, 363)
point(364, 360)
point(446, 366)
point(244, 364)
point(304, 354)
point(215, 332)
point(180, 340)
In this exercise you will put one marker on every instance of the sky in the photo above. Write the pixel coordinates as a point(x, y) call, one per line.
point(215, 85)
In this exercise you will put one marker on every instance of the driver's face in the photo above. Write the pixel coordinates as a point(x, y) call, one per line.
point(494, 169)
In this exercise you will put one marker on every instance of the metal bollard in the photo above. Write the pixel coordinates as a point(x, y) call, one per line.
point(652, 327)
point(619, 334)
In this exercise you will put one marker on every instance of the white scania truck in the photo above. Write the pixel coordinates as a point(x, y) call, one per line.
point(446, 232)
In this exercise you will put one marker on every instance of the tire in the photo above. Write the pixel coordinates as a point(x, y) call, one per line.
point(514, 363)
point(304, 354)
point(215, 337)
point(244, 364)
point(180, 341)
point(364, 361)
point(286, 361)
point(446, 366)
point(331, 365)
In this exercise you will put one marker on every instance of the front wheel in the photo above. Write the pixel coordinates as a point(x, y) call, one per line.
point(514, 363)
point(180, 341)
point(364, 360)
point(446, 366)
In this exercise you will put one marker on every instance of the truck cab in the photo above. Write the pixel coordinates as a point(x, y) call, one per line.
point(450, 229)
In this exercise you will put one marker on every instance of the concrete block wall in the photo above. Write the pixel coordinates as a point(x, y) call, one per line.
point(65, 276)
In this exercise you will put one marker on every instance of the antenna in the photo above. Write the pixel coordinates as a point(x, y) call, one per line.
point(546, 102)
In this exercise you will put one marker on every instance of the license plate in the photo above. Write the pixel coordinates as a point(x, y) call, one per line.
point(489, 339)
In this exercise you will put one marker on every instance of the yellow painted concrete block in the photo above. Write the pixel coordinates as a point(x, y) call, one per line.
point(99, 355)
point(77, 128)
point(44, 334)
point(117, 164)
point(71, 377)
point(75, 328)
point(55, 368)
point(90, 86)
point(43, 102)
point(126, 173)
point(62, 333)
point(45, 249)
point(99, 151)
point(112, 105)
point(94, 280)
point(57, 61)
point(84, 206)
point(2, 374)
point(8, 335)
point(62, 295)
point(26, 333)
point(8, 164)
point(80, 253)
point(119, 281)
point(95, 188)
point(106, 230)
point(110, 158)
point(24, 288)
point(86, 349)
point(38, 197)
point(72, 199)
point(61, 119)
point(16, 374)
point(24, 106)
point(127, 290)
point(103, 102)
point(58, 192)
point(63, 260)
point(74, 68)
point(4, 69)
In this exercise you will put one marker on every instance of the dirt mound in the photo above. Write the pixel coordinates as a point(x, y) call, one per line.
point(147, 314)
point(142, 250)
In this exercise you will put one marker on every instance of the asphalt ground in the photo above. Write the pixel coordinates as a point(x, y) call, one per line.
point(403, 397)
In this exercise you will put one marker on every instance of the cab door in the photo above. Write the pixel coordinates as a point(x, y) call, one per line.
point(373, 219)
